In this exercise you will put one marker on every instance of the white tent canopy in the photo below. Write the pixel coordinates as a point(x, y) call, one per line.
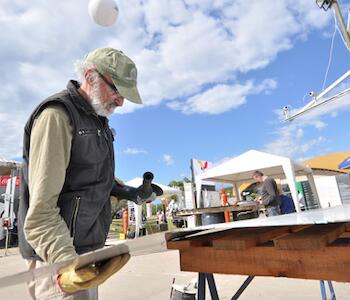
point(241, 168)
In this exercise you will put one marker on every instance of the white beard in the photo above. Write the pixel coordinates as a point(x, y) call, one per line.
point(99, 107)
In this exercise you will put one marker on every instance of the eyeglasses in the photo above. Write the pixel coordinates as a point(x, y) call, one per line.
point(111, 85)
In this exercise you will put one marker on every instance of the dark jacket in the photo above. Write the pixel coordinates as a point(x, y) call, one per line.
point(269, 193)
point(84, 201)
point(286, 205)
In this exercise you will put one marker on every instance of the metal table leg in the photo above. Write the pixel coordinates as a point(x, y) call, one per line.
point(243, 287)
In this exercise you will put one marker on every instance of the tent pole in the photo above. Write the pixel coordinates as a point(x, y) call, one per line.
point(288, 169)
point(238, 195)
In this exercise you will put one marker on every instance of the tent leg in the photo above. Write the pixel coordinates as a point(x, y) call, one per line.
point(238, 195)
point(290, 176)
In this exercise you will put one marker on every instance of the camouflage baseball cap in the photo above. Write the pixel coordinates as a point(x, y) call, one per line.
point(121, 69)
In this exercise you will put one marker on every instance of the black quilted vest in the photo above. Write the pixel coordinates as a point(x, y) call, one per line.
point(84, 201)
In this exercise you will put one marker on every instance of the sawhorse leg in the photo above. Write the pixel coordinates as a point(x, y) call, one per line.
point(202, 277)
point(243, 287)
point(323, 290)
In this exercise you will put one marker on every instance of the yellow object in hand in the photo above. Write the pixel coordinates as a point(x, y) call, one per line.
point(71, 280)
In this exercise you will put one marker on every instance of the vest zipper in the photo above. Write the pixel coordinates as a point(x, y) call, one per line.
point(109, 142)
point(105, 136)
point(74, 216)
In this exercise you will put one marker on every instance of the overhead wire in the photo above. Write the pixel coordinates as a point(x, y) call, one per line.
point(340, 94)
point(340, 33)
point(330, 51)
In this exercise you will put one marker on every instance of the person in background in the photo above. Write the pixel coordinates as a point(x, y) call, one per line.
point(157, 216)
point(286, 205)
point(161, 217)
point(269, 194)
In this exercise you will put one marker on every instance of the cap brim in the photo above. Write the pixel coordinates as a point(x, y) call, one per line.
point(130, 93)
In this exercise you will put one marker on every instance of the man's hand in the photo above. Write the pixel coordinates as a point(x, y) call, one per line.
point(71, 280)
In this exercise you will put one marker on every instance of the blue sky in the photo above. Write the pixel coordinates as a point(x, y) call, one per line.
point(213, 76)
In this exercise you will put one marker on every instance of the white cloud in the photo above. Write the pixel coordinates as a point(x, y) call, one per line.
point(290, 142)
point(319, 124)
point(168, 159)
point(221, 98)
point(134, 151)
point(181, 48)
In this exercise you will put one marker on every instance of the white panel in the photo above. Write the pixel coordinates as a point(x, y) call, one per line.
point(328, 192)
point(189, 197)
point(138, 219)
point(149, 210)
point(288, 169)
point(1, 229)
point(191, 222)
point(211, 198)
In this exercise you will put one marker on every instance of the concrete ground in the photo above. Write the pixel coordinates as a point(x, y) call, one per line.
point(150, 277)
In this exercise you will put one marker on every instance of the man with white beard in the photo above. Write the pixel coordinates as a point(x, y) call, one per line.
point(68, 174)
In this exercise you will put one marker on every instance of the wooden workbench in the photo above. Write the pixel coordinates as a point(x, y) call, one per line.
point(309, 245)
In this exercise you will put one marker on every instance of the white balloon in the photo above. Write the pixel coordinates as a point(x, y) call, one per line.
point(103, 12)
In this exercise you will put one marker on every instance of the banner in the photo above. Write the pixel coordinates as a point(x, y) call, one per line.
point(201, 166)
point(5, 178)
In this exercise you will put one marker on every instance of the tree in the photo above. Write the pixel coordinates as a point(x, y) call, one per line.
point(117, 205)
point(179, 183)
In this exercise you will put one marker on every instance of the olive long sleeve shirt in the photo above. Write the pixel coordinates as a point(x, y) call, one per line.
point(50, 147)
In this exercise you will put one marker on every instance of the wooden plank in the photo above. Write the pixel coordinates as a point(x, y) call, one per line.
point(314, 237)
point(199, 239)
point(347, 227)
point(345, 235)
point(169, 235)
point(297, 228)
point(175, 237)
point(234, 238)
point(177, 245)
point(329, 263)
point(209, 233)
point(246, 238)
point(183, 244)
